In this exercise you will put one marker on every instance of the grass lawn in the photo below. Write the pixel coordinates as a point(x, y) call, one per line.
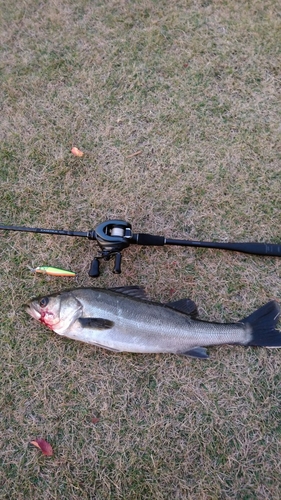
point(194, 89)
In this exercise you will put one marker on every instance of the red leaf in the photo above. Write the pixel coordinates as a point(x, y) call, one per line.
point(43, 446)
point(95, 420)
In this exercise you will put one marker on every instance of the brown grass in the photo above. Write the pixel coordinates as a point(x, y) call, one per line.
point(196, 88)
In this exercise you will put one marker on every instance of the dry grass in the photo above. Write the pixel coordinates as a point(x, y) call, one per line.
point(194, 86)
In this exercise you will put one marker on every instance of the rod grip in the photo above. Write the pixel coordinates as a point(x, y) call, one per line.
point(149, 239)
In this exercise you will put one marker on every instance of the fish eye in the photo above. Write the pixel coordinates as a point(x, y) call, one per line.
point(43, 302)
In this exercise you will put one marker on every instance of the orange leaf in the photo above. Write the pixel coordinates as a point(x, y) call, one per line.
point(77, 152)
point(43, 446)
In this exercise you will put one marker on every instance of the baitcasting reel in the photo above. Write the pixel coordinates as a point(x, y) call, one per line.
point(112, 237)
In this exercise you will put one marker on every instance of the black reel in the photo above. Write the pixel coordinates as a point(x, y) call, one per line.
point(112, 237)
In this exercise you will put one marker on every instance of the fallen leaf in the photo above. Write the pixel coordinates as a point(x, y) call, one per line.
point(95, 420)
point(43, 446)
point(77, 152)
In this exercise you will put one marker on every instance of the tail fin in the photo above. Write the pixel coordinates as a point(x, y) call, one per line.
point(263, 322)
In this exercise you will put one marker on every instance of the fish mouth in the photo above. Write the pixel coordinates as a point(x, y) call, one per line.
point(45, 317)
point(32, 311)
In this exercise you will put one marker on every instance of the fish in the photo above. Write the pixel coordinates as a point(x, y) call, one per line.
point(123, 319)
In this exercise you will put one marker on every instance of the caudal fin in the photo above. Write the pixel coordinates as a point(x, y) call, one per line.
point(263, 322)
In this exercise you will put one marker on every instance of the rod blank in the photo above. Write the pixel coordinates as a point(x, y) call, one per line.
point(266, 249)
point(40, 230)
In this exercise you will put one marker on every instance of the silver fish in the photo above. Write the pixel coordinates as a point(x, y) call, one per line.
point(123, 319)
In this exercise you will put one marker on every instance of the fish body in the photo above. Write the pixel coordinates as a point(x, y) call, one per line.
point(123, 319)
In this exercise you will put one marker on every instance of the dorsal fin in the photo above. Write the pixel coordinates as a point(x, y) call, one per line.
point(133, 291)
point(187, 306)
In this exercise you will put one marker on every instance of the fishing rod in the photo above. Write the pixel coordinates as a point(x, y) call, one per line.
point(114, 235)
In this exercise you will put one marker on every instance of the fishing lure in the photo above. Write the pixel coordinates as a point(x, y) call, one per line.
point(52, 271)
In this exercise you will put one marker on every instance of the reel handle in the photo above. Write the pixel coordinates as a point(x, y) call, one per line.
point(94, 270)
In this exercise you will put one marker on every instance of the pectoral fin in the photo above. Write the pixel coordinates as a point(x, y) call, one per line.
point(196, 352)
point(96, 323)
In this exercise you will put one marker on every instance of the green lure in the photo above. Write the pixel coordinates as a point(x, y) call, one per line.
point(53, 271)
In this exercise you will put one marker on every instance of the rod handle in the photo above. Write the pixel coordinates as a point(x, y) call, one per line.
point(148, 239)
